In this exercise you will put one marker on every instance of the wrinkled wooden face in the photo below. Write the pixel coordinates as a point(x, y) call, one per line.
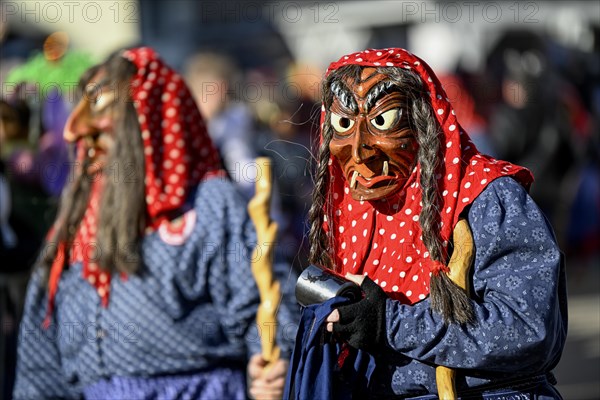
point(372, 140)
point(92, 121)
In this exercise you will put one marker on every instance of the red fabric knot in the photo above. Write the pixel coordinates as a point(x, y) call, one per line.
point(437, 267)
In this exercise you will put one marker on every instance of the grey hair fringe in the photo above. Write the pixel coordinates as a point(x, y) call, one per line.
point(122, 204)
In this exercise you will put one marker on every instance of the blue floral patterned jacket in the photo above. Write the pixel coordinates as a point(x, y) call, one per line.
point(191, 308)
point(519, 299)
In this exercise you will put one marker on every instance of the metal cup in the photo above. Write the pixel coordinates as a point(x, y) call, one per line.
point(316, 285)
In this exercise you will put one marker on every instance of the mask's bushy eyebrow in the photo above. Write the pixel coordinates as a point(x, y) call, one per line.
point(379, 90)
point(344, 95)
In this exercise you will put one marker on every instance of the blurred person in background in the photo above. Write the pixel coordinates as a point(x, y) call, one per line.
point(37, 100)
point(215, 82)
point(33, 111)
point(234, 124)
point(579, 95)
point(533, 123)
point(144, 288)
point(18, 42)
point(285, 122)
point(18, 245)
point(465, 105)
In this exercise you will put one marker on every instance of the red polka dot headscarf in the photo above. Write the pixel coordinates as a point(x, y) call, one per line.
point(178, 155)
point(178, 151)
point(383, 239)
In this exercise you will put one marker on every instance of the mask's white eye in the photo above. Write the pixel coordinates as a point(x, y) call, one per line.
point(387, 119)
point(102, 101)
point(341, 124)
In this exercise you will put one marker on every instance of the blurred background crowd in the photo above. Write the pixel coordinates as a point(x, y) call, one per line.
point(524, 78)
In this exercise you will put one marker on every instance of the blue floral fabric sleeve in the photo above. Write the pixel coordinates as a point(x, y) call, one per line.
point(518, 295)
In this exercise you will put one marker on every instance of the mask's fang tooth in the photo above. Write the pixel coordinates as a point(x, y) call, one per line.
point(386, 168)
point(353, 180)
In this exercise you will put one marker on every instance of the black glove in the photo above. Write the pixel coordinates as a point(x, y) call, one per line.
point(362, 324)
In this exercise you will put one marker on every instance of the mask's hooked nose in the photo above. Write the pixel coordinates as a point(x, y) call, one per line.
point(362, 150)
point(79, 123)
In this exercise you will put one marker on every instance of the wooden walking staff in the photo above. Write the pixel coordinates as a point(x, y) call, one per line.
point(262, 261)
point(460, 265)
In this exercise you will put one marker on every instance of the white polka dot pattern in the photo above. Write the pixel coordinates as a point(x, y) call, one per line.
point(187, 154)
point(85, 250)
point(393, 223)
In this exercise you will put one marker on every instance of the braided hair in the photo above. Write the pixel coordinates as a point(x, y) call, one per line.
point(446, 298)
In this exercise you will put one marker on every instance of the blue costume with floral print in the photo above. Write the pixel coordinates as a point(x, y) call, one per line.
point(519, 299)
point(510, 348)
point(164, 304)
point(185, 321)
point(462, 278)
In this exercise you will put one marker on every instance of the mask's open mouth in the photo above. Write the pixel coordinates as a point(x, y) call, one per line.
point(98, 143)
point(374, 182)
point(96, 148)
point(384, 179)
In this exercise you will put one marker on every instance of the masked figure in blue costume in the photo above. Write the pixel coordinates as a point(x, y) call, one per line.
point(397, 178)
point(144, 289)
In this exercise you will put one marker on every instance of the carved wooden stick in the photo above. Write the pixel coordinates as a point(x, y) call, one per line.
point(262, 261)
point(460, 264)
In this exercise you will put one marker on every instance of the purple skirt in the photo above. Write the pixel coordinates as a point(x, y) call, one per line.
point(218, 384)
